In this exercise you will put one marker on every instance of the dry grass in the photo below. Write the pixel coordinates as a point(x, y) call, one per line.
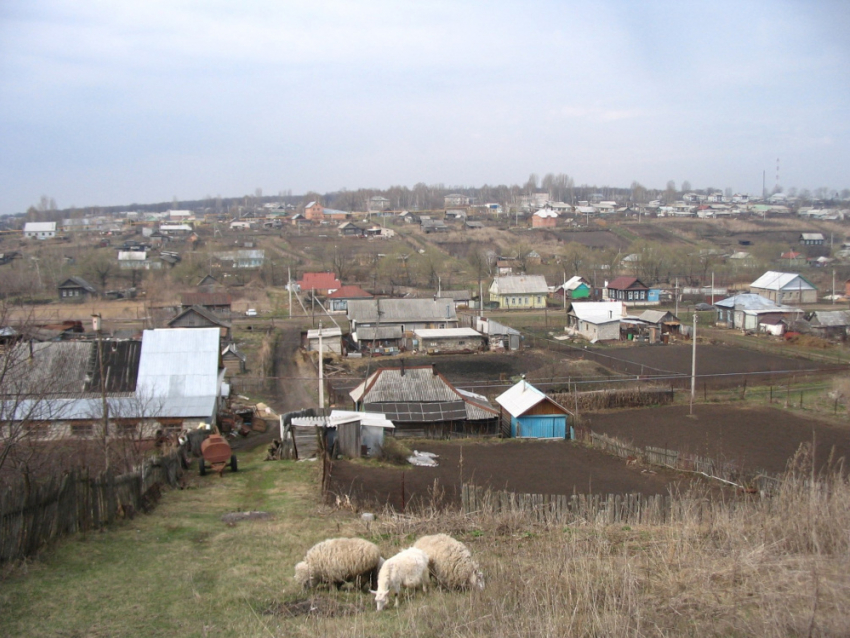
point(777, 567)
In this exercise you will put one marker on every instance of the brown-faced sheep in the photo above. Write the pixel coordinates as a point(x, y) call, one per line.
point(451, 562)
point(340, 560)
point(408, 568)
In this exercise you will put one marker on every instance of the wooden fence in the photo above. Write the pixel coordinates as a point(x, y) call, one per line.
point(75, 502)
point(633, 397)
point(626, 509)
point(726, 472)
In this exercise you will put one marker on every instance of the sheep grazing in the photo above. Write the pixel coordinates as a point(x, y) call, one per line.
point(408, 568)
point(451, 562)
point(339, 560)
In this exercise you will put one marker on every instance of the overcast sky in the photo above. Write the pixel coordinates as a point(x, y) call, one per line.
point(107, 103)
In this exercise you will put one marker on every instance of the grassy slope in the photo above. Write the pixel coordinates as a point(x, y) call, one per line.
point(778, 570)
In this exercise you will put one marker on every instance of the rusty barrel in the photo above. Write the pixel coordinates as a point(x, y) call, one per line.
point(215, 449)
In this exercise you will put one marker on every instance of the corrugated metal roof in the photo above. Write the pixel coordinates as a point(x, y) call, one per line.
point(55, 368)
point(179, 363)
point(523, 284)
point(745, 301)
point(422, 412)
point(410, 384)
point(205, 299)
point(830, 318)
point(774, 280)
point(400, 310)
point(521, 398)
point(598, 311)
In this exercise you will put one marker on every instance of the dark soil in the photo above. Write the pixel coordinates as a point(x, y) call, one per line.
point(759, 438)
point(711, 359)
point(592, 238)
point(538, 467)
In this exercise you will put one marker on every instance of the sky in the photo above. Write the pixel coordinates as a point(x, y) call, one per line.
point(119, 102)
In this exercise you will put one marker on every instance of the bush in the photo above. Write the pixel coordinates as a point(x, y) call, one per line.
point(394, 451)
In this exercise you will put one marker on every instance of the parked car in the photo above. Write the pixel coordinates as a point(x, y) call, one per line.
point(703, 306)
point(251, 312)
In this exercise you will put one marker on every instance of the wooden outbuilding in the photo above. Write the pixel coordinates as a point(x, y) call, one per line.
point(526, 412)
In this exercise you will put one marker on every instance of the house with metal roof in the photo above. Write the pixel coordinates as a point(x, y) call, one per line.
point(369, 317)
point(180, 371)
point(829, 324)
point(526, 412)
point(812, 239)
point(748, 310)
point(519, 291)
point(785, 287)
point(544, 218)
point(631, 291)
point(574, 288)
point(499, 336)
point(39, 230)
point(422, 402)
point(596, 320)
point(338, 299)
point(320, 283)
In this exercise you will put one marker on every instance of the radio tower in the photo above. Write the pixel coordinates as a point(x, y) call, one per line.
point(777, 187)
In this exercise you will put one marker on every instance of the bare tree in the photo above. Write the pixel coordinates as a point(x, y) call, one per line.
point(101, 267)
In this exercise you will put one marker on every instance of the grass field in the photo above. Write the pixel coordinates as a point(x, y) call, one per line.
point(775, 568)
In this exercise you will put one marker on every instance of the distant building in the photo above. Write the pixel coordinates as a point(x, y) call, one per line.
point(596, 320)
point(321, 283)
point(378, 203)
point(76, 289)
point(456, 199)
point(338, 300)
point(39, 230)
point(544, 218)
point(519, 292)
point(785, 287)
point(812, 239)
point(532, 414)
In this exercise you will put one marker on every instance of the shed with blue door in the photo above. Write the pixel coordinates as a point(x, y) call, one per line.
point(528, 413)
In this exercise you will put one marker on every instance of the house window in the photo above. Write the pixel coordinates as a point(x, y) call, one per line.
point(539, 299)
point(36, 429)
point(630, 295)
point(82, 429)
point(127, 428)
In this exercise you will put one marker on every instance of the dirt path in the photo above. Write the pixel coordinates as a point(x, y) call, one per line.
point(294, 376)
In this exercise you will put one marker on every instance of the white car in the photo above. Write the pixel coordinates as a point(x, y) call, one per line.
point(251, 312)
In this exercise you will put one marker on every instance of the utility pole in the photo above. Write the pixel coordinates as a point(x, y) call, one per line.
point(321, 371)
point(676, 295)
point(104, 417)
point(712, 287)
point(693, 365)
point(833, 286)
point(289, 285)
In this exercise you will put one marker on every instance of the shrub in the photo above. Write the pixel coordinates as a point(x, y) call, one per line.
point(394, 451)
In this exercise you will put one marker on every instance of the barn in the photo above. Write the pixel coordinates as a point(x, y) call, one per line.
point(532, 414)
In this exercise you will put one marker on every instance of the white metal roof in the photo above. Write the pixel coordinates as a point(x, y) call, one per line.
point(520, 284)
point(435, 333)
point(178, 363)
point(40, 227)
point(598, 311)
point(545, 213)
point(326, 333)
point(520, 398)
point(773, 280)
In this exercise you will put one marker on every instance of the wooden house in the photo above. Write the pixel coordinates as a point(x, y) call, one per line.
point(76, 289)
point(232, 360)
point(199, 317)
point(526, 412)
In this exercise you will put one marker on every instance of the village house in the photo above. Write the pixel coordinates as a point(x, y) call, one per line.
point(595, 320)
point(785, 287)
point(526, 412)
point(350, 229)
point(39, 230)
point(519, 291)
point(456, 199)
point(314, 212)
point(747, 311)
point(461, 298)
point(499, 336)
point(218, 302)
point(171, 380)
point(338, 299)
point(574, 288)
point(812, 239)
point(319, 283)
point(829, 324)
point(76, 289)
point(331, 339)
point(446, 340)
point(631, 291)
point(544, 218)
point(386, 320)
point(378, 204)
point(421, 402)
point(248, 259)
point(200, 317)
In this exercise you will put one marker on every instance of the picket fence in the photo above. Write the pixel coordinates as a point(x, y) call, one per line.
point(75, 502)
point(604, 509)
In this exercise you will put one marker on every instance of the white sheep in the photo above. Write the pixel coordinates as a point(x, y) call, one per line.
point(451, 562)
point(408, 568)
point(339, 560)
